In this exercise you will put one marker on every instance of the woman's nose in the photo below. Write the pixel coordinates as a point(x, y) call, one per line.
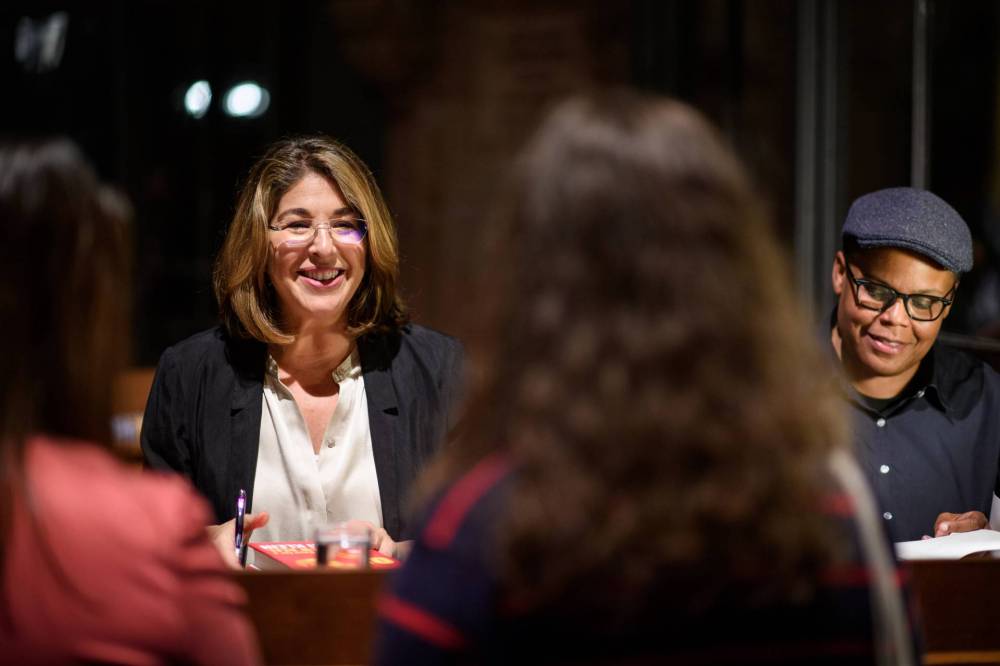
point(322, 242)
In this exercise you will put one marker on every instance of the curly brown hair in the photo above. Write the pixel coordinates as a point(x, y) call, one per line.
point(247, 302)
point(655, 386)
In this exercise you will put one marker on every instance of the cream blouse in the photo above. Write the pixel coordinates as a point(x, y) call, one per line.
point(303, 490)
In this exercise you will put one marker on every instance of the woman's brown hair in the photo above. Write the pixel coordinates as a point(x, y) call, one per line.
point(65, 292)
point(654, 385)
point(247, 301)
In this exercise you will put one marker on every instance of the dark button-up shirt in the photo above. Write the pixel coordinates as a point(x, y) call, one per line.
point(937, 447)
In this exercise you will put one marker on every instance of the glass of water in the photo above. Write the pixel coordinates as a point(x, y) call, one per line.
point(343, 545)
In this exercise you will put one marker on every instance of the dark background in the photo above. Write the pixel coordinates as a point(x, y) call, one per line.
point(436, 96)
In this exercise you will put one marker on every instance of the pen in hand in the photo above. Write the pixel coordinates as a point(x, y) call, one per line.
point(224, 535)
point(241, 510)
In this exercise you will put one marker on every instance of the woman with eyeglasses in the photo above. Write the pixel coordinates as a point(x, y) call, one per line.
point(98, 564)
point(315, 396)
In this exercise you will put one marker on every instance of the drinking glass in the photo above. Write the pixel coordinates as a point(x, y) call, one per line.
point(343, 545)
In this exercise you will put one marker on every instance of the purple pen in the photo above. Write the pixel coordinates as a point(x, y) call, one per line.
point(241, 510)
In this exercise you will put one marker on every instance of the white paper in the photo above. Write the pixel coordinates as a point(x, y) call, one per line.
point(951, 547)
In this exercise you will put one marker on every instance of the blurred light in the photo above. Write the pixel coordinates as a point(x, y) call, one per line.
point(39, 45)
point(246, 100)
point(197, 98)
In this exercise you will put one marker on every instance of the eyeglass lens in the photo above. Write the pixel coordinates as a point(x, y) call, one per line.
point(879, 297)
point(300, 234)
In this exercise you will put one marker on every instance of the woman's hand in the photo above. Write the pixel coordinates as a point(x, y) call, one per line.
point(224, 535)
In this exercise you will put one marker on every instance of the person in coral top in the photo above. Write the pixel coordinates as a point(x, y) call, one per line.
point(98, 563)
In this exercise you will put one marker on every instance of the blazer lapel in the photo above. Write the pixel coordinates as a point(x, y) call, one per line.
point(383, 412)
point(245, 405)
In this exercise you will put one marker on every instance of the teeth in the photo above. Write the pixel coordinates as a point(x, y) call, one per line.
point(322, 275)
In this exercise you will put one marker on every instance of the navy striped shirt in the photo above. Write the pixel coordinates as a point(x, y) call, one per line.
point(445, 605)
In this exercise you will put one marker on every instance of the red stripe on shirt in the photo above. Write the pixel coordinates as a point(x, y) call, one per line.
point(421, 623)
point(840, 505)
point(460, 499)
point(856, 576)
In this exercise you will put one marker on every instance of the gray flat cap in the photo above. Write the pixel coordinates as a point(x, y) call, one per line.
point(912, 219)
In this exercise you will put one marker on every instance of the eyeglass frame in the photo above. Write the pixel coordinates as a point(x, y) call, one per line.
point(302, 239)
point(857, 283)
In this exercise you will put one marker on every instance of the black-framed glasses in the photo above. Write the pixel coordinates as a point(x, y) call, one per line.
point(872, 295)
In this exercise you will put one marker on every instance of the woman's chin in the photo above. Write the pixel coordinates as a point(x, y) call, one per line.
point(319, 317)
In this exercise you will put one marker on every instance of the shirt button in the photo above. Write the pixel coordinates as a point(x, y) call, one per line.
point(887, 515)
point(880, 423)
point(920, 393)
point(884, 469)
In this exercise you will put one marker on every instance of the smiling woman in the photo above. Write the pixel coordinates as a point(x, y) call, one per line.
point(315, 274)
point(316, 395)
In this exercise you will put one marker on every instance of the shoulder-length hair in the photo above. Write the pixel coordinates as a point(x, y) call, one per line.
point(65, 269)
point(654, 384)
point(65, 294)
point(247, 302)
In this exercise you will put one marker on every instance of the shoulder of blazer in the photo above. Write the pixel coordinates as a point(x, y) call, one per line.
point(411, 348)
point(216, 352)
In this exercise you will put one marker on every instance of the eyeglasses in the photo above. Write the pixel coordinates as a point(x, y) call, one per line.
point(301, 233)
point(872, 295)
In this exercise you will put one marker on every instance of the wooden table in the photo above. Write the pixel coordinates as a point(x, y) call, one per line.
point(307, 617)
point(959, 603)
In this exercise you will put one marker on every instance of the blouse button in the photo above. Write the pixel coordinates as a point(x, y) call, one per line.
point(880, 423)
point(887, 515)
point(884, 469)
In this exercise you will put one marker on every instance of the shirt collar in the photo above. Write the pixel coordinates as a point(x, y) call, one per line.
point(349, 368)
point(928, 380)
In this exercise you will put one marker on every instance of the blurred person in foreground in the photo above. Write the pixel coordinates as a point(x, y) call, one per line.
point(657, 467)
point(316, 395)
point(100, 564)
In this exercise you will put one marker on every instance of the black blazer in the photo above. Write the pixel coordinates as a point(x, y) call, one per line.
point(203, 413)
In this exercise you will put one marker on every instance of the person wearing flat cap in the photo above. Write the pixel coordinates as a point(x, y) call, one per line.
point(926, 416)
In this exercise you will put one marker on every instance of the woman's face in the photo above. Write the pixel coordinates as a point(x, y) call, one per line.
point(314, 282)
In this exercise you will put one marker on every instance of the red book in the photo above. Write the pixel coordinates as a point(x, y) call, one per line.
point(272, 555)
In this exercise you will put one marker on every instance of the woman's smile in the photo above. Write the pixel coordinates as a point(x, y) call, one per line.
point(323, 278)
